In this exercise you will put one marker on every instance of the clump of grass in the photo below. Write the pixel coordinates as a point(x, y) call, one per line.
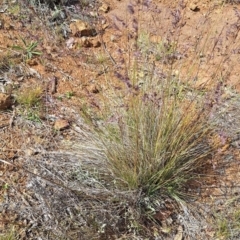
point(228, 223)
point(30, 100)
point(223, 229)
point(101, 58)
point(157, 135)
point(10, 235)
point(30, 97)
point(14, 9)
point(155, 139)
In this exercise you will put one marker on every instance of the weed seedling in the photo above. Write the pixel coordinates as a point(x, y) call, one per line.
point(29, 50)
point(69, 95)
point(5, 186)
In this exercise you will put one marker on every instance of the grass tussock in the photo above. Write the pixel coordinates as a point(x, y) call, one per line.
point(30, 97)
point(155, 138)
point(156, 134)
point(31, 103)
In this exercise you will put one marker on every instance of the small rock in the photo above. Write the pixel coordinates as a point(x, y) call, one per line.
point(61, 124)
point(194, 7)
point(104, 26)
point(80, 29)
point(175, 73)
point(113, 38)
point(93, 14)
point(179, 235)
point(33, 73)
point(48, 49)
point(162, 215)
point(3, 8)
point(70, 42)
point(1, 24)
point(93, 89)
point(32, 62)
point(169, 221)
point(9, 26)
point(84, 42)
point(104, 21)
point(7, 88)
point(5, 101)
point(104, 8)
point(95, 43)
point(29, 152)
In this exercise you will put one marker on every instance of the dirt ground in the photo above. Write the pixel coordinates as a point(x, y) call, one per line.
point(73, 77)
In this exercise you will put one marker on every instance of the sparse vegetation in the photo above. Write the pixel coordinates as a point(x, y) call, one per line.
point(29, 50)
point(228, 226)
point(141, 122)
point(10, 235)
point(69, 95)
point(30, 100)
point(30, 97)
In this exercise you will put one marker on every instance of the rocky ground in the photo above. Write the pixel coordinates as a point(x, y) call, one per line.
point(45, 186)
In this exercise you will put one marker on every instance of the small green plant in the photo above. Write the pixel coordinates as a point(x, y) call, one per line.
point(28, 50)
point(223, 229)
point(60, 98)
point(237, 216)
point(14, 9)
point(5, 186)
point(10, 235)
point(228, 223)
point(101, 58)
point(69, 95)
point(33, 116)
